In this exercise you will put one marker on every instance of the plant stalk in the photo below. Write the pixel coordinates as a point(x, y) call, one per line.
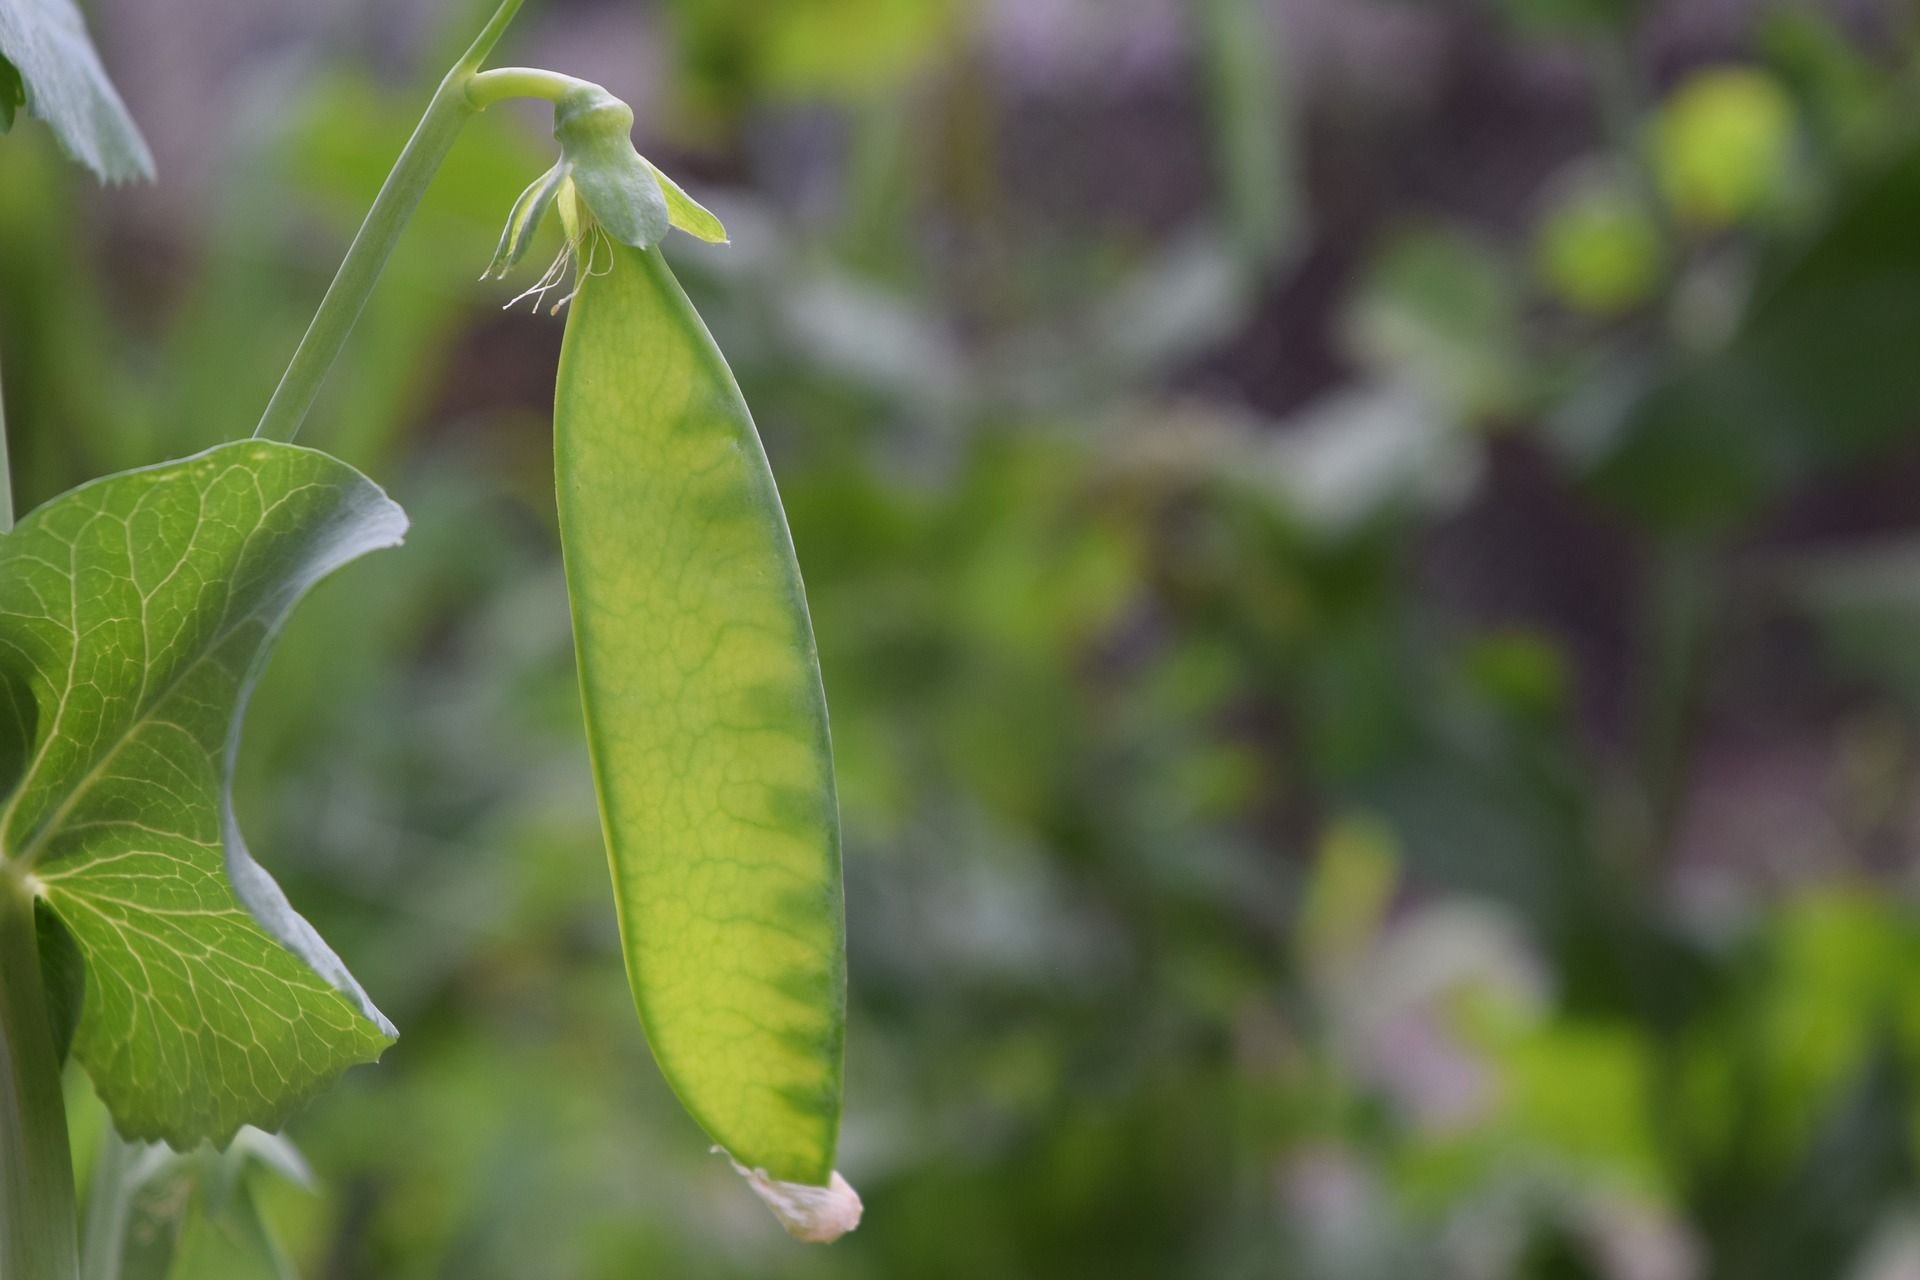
point(109, 1207)
point(399, 196)
point(6, 469)
point(1253, 128)
point(39, 1237)
point(1682, 598)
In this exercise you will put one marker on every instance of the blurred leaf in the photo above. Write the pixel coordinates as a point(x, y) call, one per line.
point(734, 52)
point(1440, 310)
point(1700, 451)
point(1347, 899)
point(154, 1213)
point(1818, 373)
point(1596, 246)
point(136, 609)
point(223, 1235)
point(1181, 301)
point(870, 337)
point(1865, 600)
point(1843, 91)
point(1893, 1252)
point(1839, 967)
point(1556, 1253)
point(13, 94)
point(51, 67)
point(1857, 1164)
point(1522, 672)
point(1721, 145)
point(1827, 341)
point(1571, 16)
point(1363, 454)
point(1580, 1093)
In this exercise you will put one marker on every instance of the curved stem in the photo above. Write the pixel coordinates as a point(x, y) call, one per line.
point(347, 296)
point(489, 87)
point(38, 1226)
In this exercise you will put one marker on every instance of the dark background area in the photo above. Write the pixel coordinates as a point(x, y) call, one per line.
point(1367, 568)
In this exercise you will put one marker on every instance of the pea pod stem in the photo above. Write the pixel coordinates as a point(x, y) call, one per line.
point(346, 297)
point(502, 83)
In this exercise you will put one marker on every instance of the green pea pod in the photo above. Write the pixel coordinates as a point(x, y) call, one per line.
point(708, 730)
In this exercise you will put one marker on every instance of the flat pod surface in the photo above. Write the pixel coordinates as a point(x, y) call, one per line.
point(706, 721)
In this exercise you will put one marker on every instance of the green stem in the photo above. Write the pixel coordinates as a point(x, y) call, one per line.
point(38, 1236)
point(489, 87)
point(6, 471)
point(109, 1208)
point(1253, 139)
point(347, 296)
point(1623, 106)
point(1681, 601)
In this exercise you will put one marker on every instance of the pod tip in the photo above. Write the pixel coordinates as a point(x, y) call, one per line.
point(818, 1215)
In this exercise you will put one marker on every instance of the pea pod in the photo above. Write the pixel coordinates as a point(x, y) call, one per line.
point(707, 725)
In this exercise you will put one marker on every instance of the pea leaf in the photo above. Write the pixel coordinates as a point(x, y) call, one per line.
point(135, 613)
point(48, 64)
point(64, 973)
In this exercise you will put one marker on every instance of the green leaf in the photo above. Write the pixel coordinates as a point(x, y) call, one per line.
point(57, 75)
point(707, 724)
point(134, 615)
point(63, 971)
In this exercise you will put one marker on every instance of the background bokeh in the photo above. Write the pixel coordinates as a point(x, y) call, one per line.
point(1366, 558)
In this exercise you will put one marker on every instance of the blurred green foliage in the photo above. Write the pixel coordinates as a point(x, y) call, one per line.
point(1721, 145)
point(1372, 746)
point(1599, 245)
